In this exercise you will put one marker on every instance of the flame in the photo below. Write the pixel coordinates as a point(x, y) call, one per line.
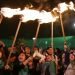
point(29, 14)
point(55, 9)
point(8, 12)
point(46, 17)
point(62, 7)
point(71, 6)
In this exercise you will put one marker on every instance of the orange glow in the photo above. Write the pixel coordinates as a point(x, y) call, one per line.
point(62, 7)
point(71, 6)
point(46, 17)
point(8, 12)
point(29, 14)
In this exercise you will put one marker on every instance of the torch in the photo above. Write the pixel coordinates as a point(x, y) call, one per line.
point(62, 27)
point(62, 8)
point(14, 41)
point(36, 35)
point(52, 35)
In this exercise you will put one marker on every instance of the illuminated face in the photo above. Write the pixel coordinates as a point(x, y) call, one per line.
point(50, 51)
point(30, 63)
point(12, 59)
point(65, 46)
point(0, 54)
point(22, 57)
point(27, 50)
point(72, 57)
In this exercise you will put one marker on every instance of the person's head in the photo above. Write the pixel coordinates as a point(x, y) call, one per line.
point(65, 46)
point(27, 50)
point(13, 57)
point(44, 52)
point(57, 51)
point(35, 48)
point(72, 56)
point(50, 50)
point(22, 57)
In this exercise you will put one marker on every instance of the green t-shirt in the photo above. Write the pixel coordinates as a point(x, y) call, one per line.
point(24, 71)
point(1, 64)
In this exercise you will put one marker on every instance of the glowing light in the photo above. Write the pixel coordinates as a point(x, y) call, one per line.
point(43, 16)
point(74, 25)
point(55, 9)
point(46, 42)
point(62, 7)
point(71, 6)
point(8, 12)
point(33, 38)
point(29, 14)
point(46, 17)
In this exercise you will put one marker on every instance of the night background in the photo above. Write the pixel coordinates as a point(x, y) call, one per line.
point(28, 30)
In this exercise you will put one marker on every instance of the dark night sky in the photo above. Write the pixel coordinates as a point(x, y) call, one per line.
point(28, 30)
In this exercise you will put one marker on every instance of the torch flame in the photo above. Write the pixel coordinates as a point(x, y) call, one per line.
point(46, 17)
point(8, 12)
point(62, 7)
point(29, 14)
point(71, 6)
point(55, 9)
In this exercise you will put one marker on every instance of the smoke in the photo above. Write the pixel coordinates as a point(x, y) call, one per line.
point(41, 4)
point(38, 1)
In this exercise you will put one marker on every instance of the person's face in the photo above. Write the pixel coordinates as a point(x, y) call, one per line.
point(27, 50)
point(13, 59)
point(50, 51)
point(0, 54)
point(65, 46)
point(30, 63)
point(72, 57)
point(44, 53)
point(21, 57)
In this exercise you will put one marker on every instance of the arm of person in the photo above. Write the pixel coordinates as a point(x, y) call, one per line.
point(34, 54)
point(26, 61)
point(41, 56)
point(7, 67)
point(56, 60)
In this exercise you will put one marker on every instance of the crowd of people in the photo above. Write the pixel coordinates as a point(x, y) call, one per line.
point(36, 61)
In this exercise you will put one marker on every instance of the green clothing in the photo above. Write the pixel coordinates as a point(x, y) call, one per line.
point(52, 68)
point(1, 64)
point(24, 71)
point(49, 67)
